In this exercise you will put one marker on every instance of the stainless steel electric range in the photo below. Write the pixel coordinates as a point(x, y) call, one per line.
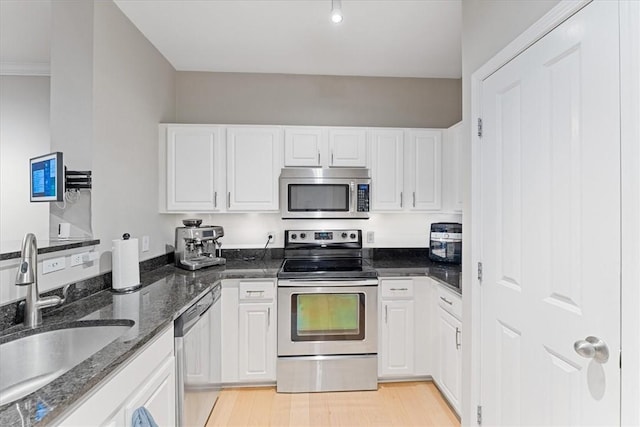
point(327, 314)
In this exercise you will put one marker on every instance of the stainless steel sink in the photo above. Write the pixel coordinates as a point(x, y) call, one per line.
point(30, 362)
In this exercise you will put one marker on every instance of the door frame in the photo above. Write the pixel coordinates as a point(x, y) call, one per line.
point(630, 135)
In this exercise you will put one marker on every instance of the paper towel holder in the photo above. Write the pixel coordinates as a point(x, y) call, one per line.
point(129, 281)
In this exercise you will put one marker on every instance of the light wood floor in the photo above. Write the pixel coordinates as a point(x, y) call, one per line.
point(393, 404)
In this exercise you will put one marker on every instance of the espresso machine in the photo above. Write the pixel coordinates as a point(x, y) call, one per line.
point(198, 246)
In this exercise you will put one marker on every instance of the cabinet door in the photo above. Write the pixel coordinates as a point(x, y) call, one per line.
point(456, 141)
point(424, 161)
point(303, 146)
point(450, 360)
point(197, 346)
point(387, 169)
point(347, 147)
point(397, 338)
point(257, 342)
point(158, 396)
point(254, 160)
point(230, 332)
point(451, 169)
point(193, 160)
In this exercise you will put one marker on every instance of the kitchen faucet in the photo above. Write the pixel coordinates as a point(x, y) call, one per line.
point(28, 276)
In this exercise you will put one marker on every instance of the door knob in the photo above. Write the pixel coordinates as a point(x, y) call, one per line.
point(592, 348)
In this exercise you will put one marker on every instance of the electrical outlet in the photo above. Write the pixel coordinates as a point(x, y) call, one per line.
point(76, 259)
point(55, 264)
point(83, 258)
point(273, 236)
point(145, 243)
point(371, 237)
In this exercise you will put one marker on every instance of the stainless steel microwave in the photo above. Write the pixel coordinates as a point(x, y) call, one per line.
point(325, 193)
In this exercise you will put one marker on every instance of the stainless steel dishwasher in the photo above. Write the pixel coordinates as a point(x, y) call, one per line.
point(198, 352)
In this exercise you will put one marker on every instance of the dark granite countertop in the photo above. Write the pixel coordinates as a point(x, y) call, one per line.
point(167, 292)
point(448, 275)
point(11, 249)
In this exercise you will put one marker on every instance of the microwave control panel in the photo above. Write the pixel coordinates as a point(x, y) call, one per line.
point(363, 198)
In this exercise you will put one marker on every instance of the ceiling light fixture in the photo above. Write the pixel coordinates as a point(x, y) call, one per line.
point(336, 11)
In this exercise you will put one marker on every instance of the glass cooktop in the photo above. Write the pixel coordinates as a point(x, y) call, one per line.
point(326, 267)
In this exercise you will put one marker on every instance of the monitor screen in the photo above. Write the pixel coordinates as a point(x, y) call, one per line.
point(47, 178)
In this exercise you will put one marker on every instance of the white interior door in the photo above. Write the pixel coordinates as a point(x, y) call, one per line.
point(550, 191)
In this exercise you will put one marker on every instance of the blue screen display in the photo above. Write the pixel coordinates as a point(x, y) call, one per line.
point(47, 178)
point(43, 178)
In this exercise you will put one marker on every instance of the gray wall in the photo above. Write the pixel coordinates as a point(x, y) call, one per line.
point(237, 98)
point(133, 91)
point(487, 27)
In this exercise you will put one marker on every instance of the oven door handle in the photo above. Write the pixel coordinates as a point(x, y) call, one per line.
point(325, 282)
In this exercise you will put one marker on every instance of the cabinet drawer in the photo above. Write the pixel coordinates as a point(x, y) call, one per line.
point(257, 291)
point(397, 288)
point(449, 301)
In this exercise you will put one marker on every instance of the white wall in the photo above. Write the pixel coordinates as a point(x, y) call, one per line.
point(487, 27)
point(390, 230)
point(24, 133)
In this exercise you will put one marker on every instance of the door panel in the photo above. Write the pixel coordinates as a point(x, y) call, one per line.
point(550, 161)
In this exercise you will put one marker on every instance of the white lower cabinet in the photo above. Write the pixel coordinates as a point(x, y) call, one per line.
point(403, 308)
point(396, 353)
point(257, 342)
point(249, 331)
point(148, 380)
point(448, 330)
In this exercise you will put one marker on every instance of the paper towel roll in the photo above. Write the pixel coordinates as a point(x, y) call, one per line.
point(126, 270)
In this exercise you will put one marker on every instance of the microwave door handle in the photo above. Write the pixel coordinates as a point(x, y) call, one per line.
point(354, 197)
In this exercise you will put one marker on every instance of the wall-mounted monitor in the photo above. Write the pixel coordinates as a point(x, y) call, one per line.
point(47, 178)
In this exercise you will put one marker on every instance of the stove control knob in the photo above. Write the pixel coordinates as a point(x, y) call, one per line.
point(344, 235)
point(294, 236)
point(303, 235)
point(353, 235)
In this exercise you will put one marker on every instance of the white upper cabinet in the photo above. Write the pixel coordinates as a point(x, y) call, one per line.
point(452, 169)
point(193, 162)
point(423, 167)
point(254, 160)
point(308, 146)
point(347, 147)
point(387, 169)
point(304, 146)
point(406, 169)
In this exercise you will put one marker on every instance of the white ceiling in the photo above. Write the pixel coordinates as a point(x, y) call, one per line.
point(399, 38)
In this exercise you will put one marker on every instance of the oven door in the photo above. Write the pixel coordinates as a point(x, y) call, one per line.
point(327, 317)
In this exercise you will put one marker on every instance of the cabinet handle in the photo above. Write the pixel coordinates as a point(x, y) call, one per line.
point(250, 293)
point(399, 289)
point(446, 300)
point(269, 320)
point(457, 340)
point(401, 199)
point(215, 199)
point(318, 157)
point(331, 157)
point(386, 313)
point(414, 199)
point(228, 199)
